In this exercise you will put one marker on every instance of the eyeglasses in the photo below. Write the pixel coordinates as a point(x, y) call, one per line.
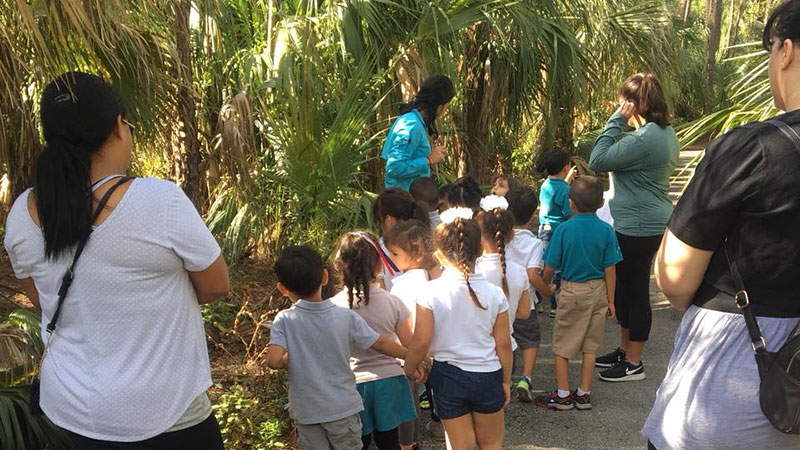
point(131, 126)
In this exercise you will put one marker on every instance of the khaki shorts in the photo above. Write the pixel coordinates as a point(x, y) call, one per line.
point(342, 434)
point(580, 318)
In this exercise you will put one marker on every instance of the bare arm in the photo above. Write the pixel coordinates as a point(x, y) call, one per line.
point(389, 347)
point(30, 290)
point(277, 358)
point(538, 282)
point(405, 332)
point(211, 283)
point(502, 342)
point(421, 343)
point(524, 306)
point(679, 270)
point(548, 275)
point(611, 287)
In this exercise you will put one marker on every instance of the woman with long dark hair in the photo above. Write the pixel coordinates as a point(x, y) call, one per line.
point(742, 203)
point(640, 164)
point(407, 149)
point(126, 364)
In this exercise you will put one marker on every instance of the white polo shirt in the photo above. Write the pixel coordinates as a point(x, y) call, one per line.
point(516, 278)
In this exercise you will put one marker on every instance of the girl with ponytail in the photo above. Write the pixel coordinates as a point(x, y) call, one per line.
point(147, 260)
point(462, 322)
point(497, 228)
point(379, 378)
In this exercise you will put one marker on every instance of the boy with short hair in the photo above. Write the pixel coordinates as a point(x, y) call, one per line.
point(554, 202)
point(311, 339)
point(426, 191)
point(526, 250)
point(586, 250)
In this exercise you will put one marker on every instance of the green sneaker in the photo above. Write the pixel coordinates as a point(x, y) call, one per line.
point(424, 402)
point(523, 390)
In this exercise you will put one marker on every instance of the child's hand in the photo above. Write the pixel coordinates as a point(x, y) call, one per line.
point(421, 374)
point(611, 311)
point(571, 175)
point(507, 393)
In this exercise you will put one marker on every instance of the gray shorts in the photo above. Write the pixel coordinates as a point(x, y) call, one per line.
point(527, 332)
point(342, 434)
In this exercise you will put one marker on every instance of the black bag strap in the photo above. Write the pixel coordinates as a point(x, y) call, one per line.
point(788, 131)
point(66, 281)
point(743, 303)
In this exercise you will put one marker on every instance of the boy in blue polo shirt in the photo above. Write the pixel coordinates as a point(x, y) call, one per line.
point(554, 206)
point(586, 250)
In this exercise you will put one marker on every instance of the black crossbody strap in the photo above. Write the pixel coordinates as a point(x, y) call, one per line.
point(788, 131)
point(743, 303)
point(66, 281)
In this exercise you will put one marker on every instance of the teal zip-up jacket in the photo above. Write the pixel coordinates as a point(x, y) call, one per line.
point(406, 151)
point(640, 165)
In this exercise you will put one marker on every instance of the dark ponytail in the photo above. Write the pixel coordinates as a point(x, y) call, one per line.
point(78, 113)
point(466, 192)
point(460, 242)
point(435, 91)
point(399, 204)
point(645, 92)
point(357, 262)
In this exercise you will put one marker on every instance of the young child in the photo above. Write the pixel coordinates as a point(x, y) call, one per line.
point(391, 206)
point(497, 227)
point(554, 201)
point(319, 335)
point(426, 191)
point(586, 250)
point(502, 184)
point(380, 379)
point(526, 250)
point(410, 245)
point(462, 321)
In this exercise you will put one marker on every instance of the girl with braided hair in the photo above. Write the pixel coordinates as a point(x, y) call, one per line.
point(462, 322)
point(379, 378)
point(497, 228)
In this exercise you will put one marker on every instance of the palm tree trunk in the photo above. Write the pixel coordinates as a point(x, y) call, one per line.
point(188, 159)
point(714, 22)
point(475, 119)
point(686, 7)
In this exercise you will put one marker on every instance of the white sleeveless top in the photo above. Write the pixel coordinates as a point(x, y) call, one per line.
point(129, 355)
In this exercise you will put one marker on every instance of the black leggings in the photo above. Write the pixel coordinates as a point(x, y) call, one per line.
point(203, 436)
point(385, 440)
point(632, 299)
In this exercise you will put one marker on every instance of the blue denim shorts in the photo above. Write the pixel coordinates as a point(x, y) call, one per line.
point(457, 392)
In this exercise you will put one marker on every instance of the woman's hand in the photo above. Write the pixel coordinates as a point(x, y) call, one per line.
point(437, 154)
point(627, 109)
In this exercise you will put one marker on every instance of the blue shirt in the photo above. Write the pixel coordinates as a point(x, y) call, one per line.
point(406, 151)
point(583, 247)
point(554, 202)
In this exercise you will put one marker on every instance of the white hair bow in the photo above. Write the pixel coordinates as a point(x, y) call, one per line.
point(492, 202)
point(455, 213)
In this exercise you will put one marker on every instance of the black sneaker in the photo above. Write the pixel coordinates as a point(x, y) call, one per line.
point(553, 401)
point(610, 360)
point(582, 402)
point(624, 371)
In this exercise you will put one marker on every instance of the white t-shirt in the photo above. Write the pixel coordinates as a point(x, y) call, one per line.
point(129, 355)
point(434, 218)
point(604, 213)
point(517, 278)
point(462, 332)
point(526, 250)
point(409, 287)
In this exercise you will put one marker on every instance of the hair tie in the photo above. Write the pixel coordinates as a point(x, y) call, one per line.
point(452, 214)
point(492, 202)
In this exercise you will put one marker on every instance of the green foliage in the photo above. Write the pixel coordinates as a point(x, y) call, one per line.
point(251, 414)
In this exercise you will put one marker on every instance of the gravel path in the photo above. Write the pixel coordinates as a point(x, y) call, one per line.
point(619, 409)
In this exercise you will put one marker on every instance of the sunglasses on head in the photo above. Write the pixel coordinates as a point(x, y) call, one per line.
point(130, 125)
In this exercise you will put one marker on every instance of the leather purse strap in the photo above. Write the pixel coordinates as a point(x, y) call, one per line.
point(66, 281)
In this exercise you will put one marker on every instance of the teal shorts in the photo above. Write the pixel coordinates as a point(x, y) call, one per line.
point(387, 404)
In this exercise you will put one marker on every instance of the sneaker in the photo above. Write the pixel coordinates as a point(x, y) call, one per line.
point(436, 429)
point(523, 390)
point(553, 401)
point(582, 402)
point(610, 360)
point(624, 371)
point(424, 403)
point(552, 313)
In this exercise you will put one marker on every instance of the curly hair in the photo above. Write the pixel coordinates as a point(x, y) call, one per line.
point(414, 238)
point(460, 242)
point(497, 225)
point(357, 262)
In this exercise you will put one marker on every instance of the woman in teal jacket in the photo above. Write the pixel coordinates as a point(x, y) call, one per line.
point(640, 164)
point(407, 150)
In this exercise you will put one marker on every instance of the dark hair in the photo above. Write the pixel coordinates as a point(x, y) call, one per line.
point(587, 193)
point(522, 202)
point(465, 192)
point(555, 160)
point(78, 113)
point(299, 268)
point(425, 190)
point(644, 90)
point(783, 23)
point(414, 238)
point(511, 181)
point(460, 242)
point(497, 225)
point(357, 260)
point(435, 91)
point(399, 204)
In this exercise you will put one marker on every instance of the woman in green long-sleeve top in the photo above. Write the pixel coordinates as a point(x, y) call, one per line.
point(640, 164)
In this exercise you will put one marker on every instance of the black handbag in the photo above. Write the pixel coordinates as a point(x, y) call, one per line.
point(66, 281)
